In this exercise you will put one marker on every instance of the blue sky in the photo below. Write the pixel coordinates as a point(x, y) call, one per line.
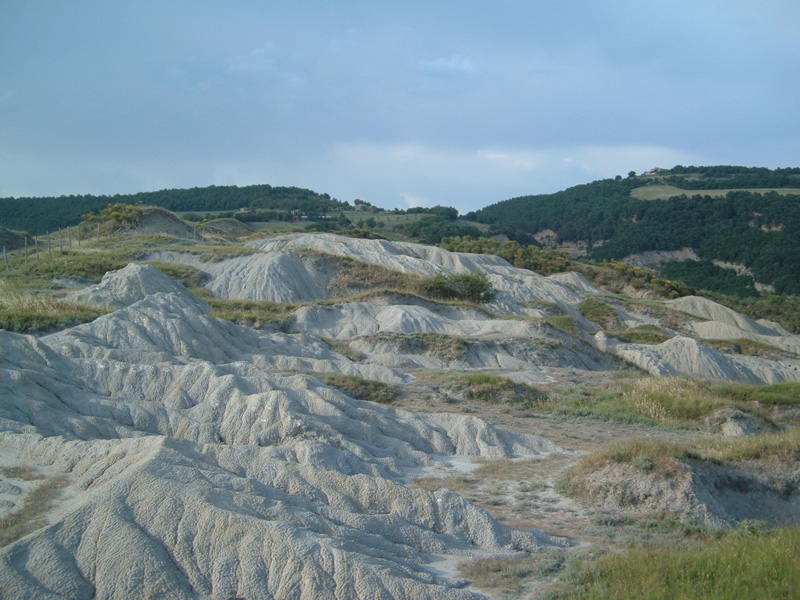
point(460, 103)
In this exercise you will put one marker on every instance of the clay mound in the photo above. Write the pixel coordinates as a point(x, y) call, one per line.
point(158, 516)
point(178, 328)
point(159, 220)
point(725, 324)
point(576, 282)
point(274, 277)
point(289, 269)
point(405, 257)
point(194, 469)
point(122, 288)
point(699, 491)
point(356, 319)
point(286, 271)
point(710, 310)
point(515, 286)
point(449, 353)
point(684, 356)
point(230, 228)
point(14, 240)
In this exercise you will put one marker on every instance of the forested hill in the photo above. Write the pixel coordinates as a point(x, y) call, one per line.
point(749, 216)
point(40, 215)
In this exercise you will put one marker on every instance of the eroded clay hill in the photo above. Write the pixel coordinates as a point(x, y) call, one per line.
point(197, 464)
point(304, 268)
point(197, 458)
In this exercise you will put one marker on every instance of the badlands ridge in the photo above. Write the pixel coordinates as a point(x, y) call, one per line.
point(198, 458)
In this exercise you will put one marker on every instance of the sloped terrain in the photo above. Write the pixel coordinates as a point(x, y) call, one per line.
point(301, 268)
point(198, 465)
point(195, 457)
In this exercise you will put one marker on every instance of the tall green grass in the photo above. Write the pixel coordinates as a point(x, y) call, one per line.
point(677, 401)
point(742, 565)
point(23, 311)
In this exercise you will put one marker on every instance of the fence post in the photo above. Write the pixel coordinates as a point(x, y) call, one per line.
point(5, 257)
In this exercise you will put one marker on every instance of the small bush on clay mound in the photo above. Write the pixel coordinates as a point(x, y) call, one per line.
point(362, 389)
point(496, 389)
point(473, 287)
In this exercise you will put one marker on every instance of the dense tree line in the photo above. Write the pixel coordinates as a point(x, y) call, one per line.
point(727, 177)
point(761, 231)
point(705, 275)
point(40, 215)
point(431, 230)
point(588, 212)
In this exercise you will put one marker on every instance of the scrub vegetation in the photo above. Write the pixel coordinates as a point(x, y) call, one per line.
point(746, 564)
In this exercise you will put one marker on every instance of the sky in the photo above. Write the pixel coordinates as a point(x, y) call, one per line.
point(405, 103)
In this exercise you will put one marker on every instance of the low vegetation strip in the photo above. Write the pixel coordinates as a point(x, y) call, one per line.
point(674, 401)
point(30, 515)
point(24, 312)
point(742, 565)
point(361, 389)
point(668, 459)
point(495, 389)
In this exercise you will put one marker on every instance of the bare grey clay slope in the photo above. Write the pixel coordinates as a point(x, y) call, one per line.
point(196, 471)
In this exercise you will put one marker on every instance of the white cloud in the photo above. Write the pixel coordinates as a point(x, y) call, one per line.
point(257, 61)
point(412, 201)
point(448, 66)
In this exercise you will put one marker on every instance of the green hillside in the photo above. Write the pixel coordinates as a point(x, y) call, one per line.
point(267, 203)
point(749, 216)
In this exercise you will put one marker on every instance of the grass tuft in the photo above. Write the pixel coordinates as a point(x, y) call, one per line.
point(30, 515)
point(361, 389)
point(251, 313)
point(495, 389)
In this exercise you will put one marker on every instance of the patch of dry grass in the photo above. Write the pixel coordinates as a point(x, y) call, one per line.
point(600, 313)
point(355, 277)
point(511, 573)
point(742, 565)
point(674, 401)
point(251, 313)
point(461, 483)
point(23, 311)
point(495, 389)
point(30, 516)
point(643, 334)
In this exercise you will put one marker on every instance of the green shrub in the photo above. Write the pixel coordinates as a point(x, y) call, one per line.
point(473, 287)
point(362, 389)
point(601, 314)
point(496, 389)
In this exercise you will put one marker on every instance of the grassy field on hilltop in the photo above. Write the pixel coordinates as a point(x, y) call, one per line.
point(664, 192)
